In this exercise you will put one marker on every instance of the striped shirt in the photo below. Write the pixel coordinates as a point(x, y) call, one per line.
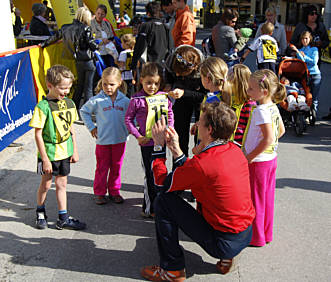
point(243, 120)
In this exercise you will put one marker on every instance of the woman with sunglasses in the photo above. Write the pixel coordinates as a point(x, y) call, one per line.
point(313, 24)
point(223, 33)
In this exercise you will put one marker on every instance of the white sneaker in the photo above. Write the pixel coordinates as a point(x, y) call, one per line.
point(302, 103)
point(292, 103)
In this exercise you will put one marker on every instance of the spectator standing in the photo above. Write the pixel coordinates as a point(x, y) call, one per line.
point(184, 30)
point(152, 37)
point(16, 19)
point(38, 24)
point(49, 14)
point(223, 34)
point(169, 9)
point(103, 31)
point(279, 31)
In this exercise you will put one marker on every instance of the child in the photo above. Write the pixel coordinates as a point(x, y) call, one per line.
point(309, 55)
point(146, 107)
point(267, 48)
point(56, 142)
point(241, 103)
point(213, 72)
point(296, 96)
point(260, 148)
point(124, 61)
point(109, 107)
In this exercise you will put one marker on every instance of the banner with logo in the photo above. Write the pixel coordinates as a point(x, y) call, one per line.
point(64, 11)
point(17, 97)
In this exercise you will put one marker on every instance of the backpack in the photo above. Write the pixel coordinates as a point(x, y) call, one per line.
point(208, 48)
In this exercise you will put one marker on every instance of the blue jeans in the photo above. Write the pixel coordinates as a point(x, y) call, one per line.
point(85, 73)
point(316, 80)
point(172, 213)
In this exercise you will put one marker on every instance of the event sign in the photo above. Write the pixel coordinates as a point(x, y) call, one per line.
point(17, 97)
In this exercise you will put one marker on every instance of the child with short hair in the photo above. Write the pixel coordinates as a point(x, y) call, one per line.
point(56, 142)
point(145, 108)
point(267, 48)
point(109, 107)
point(260, 147)
point(124, 62)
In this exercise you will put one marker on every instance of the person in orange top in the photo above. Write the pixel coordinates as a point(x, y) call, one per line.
point(184, 30)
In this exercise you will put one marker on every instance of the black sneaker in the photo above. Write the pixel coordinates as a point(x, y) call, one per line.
point(41, 221)
point(70, 223)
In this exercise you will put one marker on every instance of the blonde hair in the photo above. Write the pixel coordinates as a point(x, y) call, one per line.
point(129, 40)
point(241, 75)
point(266, 79)
point(267, 28)
point(56, 73)
point(270, 10)
point(303, 34)
point(216, 70)
point(83, 15)
point(112, 71)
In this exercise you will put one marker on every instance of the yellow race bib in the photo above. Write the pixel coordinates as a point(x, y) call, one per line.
point(275, 130)
point(157, 106)
point(269, 50)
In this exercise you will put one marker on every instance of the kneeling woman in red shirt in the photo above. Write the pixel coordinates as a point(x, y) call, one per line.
point(219, 179)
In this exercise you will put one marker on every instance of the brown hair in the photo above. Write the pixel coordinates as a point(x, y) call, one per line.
point(56, 73)
point(129, 40)
point(266, 79)
point(151, 69)
point(216, 70)
point(241, 75)
point(111, 71)
point(186, 59)
point(221, 118)
point(102, 7)
point(228, 15)
point(267, 28)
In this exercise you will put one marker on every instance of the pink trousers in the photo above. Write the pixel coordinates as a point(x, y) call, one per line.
point(108, 170)
point(263, 183)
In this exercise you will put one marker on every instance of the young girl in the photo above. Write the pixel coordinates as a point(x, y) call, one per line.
point(309, 55)
point(146, 107)
point(261, 144)
point(109, 107)
point(213, 72)
point(124, 61)
point(241, 103)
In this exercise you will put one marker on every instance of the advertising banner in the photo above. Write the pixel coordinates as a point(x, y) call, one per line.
point(64, 11)
point(17, 97)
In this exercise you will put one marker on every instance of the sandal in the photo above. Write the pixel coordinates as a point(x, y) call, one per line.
point(100, 200)
point(118, 199)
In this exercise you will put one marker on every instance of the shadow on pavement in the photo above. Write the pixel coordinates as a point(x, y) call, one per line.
point(314, 185)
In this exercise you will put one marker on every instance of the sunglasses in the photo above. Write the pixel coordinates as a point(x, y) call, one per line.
point(234, 22)
point(180, 59)
point(313, 13)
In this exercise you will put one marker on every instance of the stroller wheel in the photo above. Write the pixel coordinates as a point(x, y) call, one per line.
point(300, 124)
point(312, 117)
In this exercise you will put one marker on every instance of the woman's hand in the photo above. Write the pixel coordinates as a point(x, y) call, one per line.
point(194, 129)
point(172, 141)
point(94, 132)
point(159, 131)
point(142, 140)
point(176, 93)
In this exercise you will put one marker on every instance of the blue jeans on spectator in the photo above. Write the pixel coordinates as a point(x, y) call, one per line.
point(85, 73)
point(172, 213)
point(315, 88)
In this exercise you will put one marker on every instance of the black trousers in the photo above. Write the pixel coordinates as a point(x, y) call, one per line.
point(268, 66)
point(172, 213)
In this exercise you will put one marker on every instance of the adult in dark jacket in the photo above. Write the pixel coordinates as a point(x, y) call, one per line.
point(312, 23)
point(78, 39)
point(184, 82)
point(38, 24)
point(152, 36)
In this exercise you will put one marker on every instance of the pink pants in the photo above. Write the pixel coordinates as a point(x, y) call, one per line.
point(263, 183)
point(108, 170)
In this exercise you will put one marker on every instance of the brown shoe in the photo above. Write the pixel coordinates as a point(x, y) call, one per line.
point(156, 273)
point(100, 200)
point(118, 199)
point(227, 265)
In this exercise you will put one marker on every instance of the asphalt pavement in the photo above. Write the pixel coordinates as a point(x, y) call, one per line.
point(118, 241)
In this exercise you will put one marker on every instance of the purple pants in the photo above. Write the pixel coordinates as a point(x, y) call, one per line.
point(108, 170)
point(263, 183)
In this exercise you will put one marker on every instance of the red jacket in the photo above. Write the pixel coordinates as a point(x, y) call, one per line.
point(184, 30)
point(219, 180)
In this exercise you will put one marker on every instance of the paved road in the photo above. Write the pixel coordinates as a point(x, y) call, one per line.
point(118, 242)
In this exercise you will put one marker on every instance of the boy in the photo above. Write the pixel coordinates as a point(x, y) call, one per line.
point(266, 47)
point(56, 142)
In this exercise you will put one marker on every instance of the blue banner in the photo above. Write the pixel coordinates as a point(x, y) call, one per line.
point(17, 97)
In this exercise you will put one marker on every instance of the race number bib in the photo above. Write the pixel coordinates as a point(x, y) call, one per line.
point(157, 106)
point(269, 50)
point(275, 131)
point(63, 118)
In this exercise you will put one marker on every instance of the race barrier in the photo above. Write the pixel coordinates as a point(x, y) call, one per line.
point(17, 97)
point(326, 53)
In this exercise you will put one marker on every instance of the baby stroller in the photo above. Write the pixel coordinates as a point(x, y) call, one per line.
point(296, 70)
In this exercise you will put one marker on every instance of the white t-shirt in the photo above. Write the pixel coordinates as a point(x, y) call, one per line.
point(126, 73)
point(267, 48)
point(263, 114)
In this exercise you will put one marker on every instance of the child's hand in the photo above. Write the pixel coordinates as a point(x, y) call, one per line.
point(94, 132)
point(249, 158)
point(176, 93)
point(75, 157)
point(194, 129)
point(47, 167)
point(142, 140)
point(133, 82)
